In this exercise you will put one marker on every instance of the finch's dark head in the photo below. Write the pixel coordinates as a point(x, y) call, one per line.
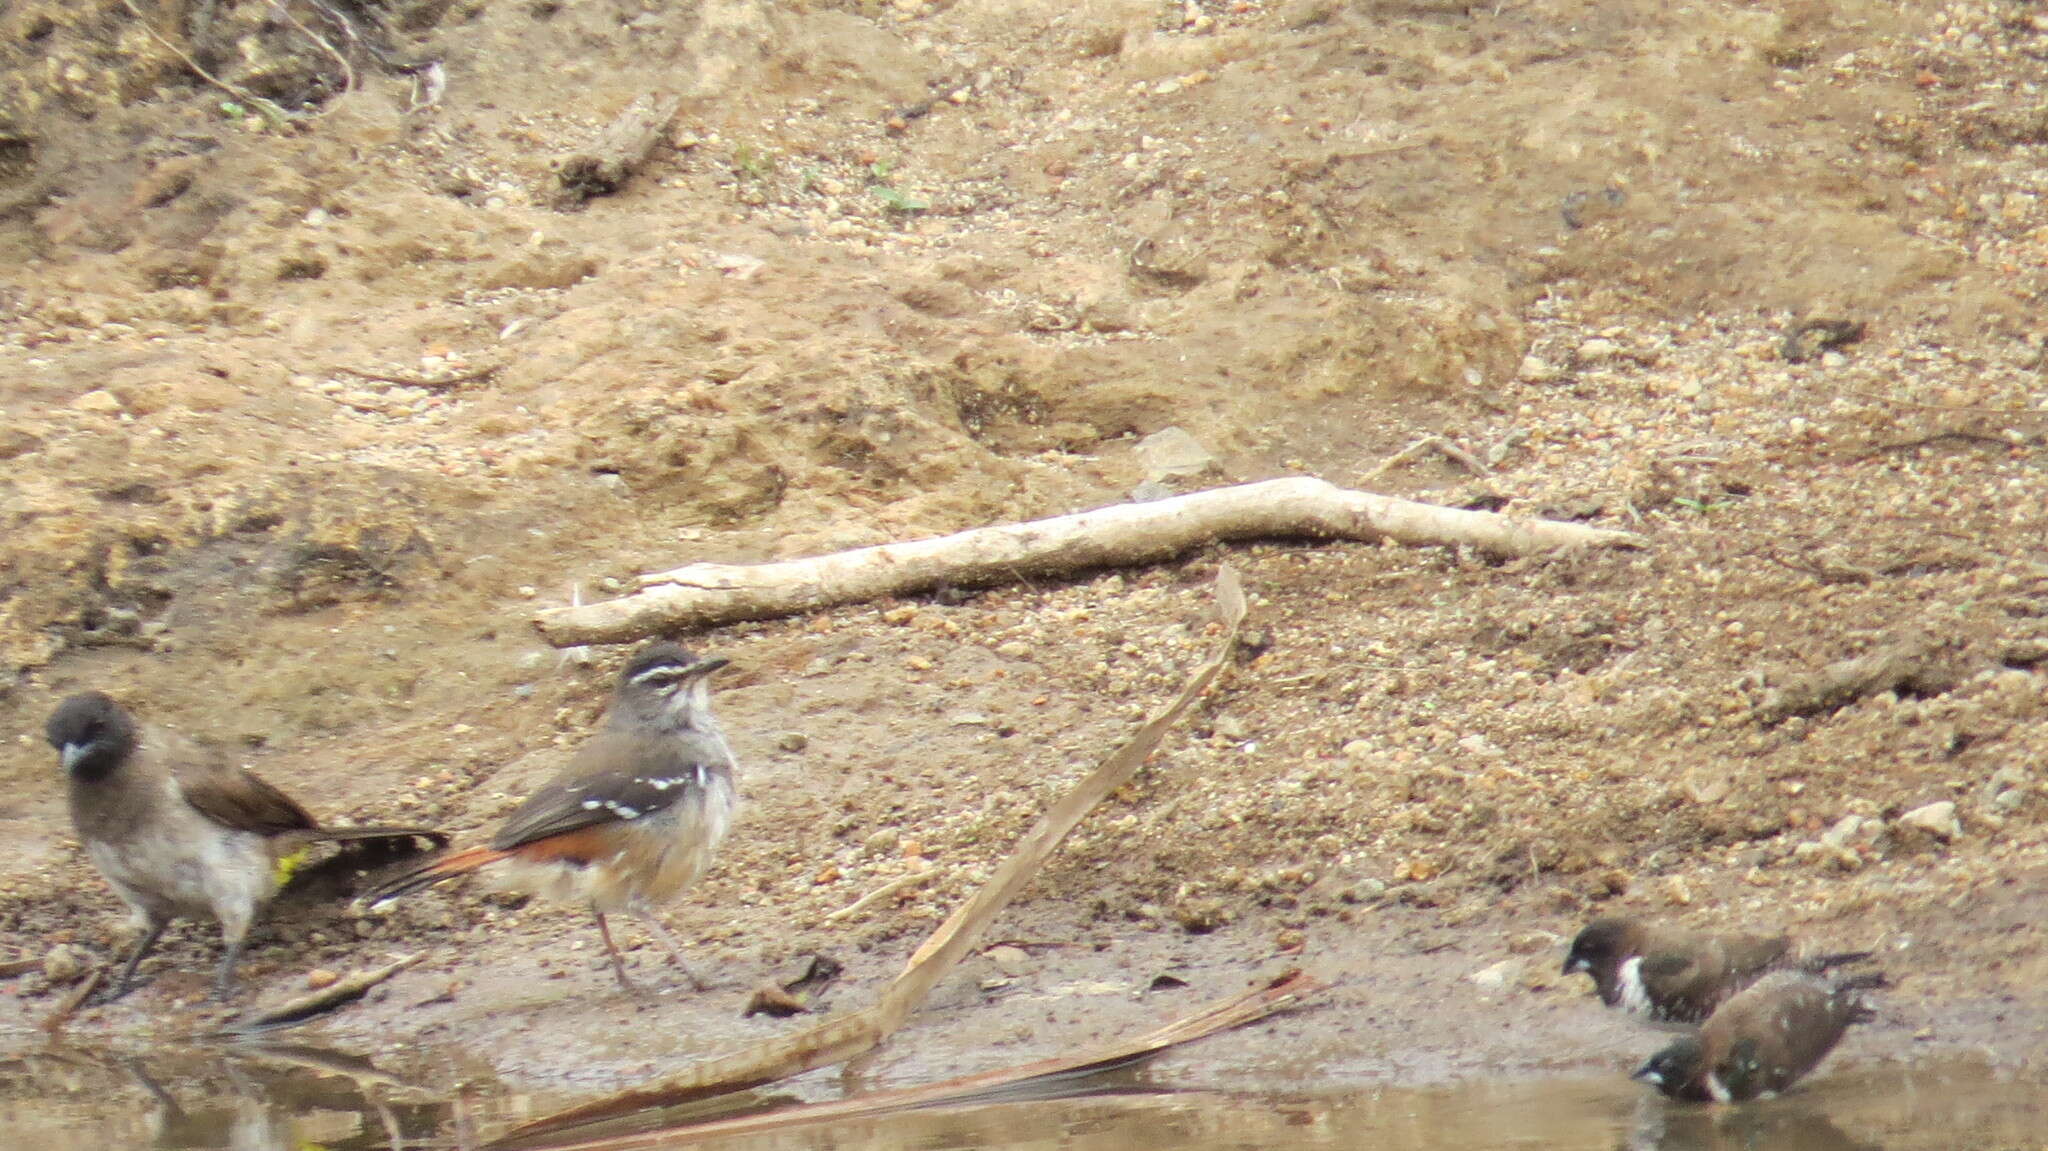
point(92, 734)
point(1602, 946)
point(1675, 1066)
point(665, 683)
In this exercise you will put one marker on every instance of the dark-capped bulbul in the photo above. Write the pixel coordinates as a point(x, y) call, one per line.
point(177, 831)
point(1762, 1040)
point(1672, 975)
point(634, 817)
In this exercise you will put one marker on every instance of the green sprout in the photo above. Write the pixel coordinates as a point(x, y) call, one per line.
point(752, 161)
point(896, 201)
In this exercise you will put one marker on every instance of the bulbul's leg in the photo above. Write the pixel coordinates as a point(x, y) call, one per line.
point(611, 949)
point(224, 981)
point(675, 951)
point(234, 930)
point(150, 932)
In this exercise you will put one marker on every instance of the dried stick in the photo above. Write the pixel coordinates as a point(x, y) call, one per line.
point(900, 883)
point(429, 382)
point(1449, 450)
point(846, 1036)
point(1121, 535)
point(348, 71)
point(55, 1020)
point(1462, 458)
point(298, 1010)
point(1281, 994)
point(1906, 403)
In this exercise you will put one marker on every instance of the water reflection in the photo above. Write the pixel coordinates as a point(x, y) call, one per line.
point(1789, 1124)
point(1892, 1109)
point(284, 1097)
point(246, 1097)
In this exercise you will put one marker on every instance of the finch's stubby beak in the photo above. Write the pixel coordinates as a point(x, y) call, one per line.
point(70, 754)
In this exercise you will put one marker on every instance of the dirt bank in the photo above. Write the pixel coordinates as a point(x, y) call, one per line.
point(311, 403)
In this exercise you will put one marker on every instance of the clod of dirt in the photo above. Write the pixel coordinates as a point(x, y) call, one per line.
point(797, 995)
point(1808, 339)
point(62, 964)
point(1199, 916)
point(620, 150)
point(1905, 666)
point(770, 999)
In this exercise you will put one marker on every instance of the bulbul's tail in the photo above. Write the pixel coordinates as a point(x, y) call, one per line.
point(361, 834)
point(431, 872)
point(357, 852)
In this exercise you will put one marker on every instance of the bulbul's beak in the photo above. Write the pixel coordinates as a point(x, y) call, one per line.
point(705, 666)
point(70, 754)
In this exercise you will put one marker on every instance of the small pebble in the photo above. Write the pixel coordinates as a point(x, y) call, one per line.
point(63, 963)
point(98, 400)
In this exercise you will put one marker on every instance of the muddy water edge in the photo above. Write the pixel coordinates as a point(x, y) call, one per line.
point(278, 1095)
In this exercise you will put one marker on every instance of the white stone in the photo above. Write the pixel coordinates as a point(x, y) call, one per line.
point(1843, 831)
point(98, 400)
point(1937, 819)
point(1493, 980)
point(1171, 452)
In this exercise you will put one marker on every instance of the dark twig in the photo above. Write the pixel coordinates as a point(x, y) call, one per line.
point(430, 383)
point(1936, 438)
point(1827, 571)
point(1945, 407)
point(348, 71)
point(55, 1021)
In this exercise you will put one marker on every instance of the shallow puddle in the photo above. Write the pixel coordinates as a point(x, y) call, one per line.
point(287, 1098)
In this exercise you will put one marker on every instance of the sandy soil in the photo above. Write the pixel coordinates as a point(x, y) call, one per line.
point(910, 267)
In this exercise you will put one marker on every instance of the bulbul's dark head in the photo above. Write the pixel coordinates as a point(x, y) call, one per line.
point(1675, 1066)
point(1602, 946)
point(664, 683)
point(92, 734)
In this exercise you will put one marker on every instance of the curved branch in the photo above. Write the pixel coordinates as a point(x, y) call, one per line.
point(1121, 535)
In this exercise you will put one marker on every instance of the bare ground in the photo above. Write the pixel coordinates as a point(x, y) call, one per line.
point(913, 267)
